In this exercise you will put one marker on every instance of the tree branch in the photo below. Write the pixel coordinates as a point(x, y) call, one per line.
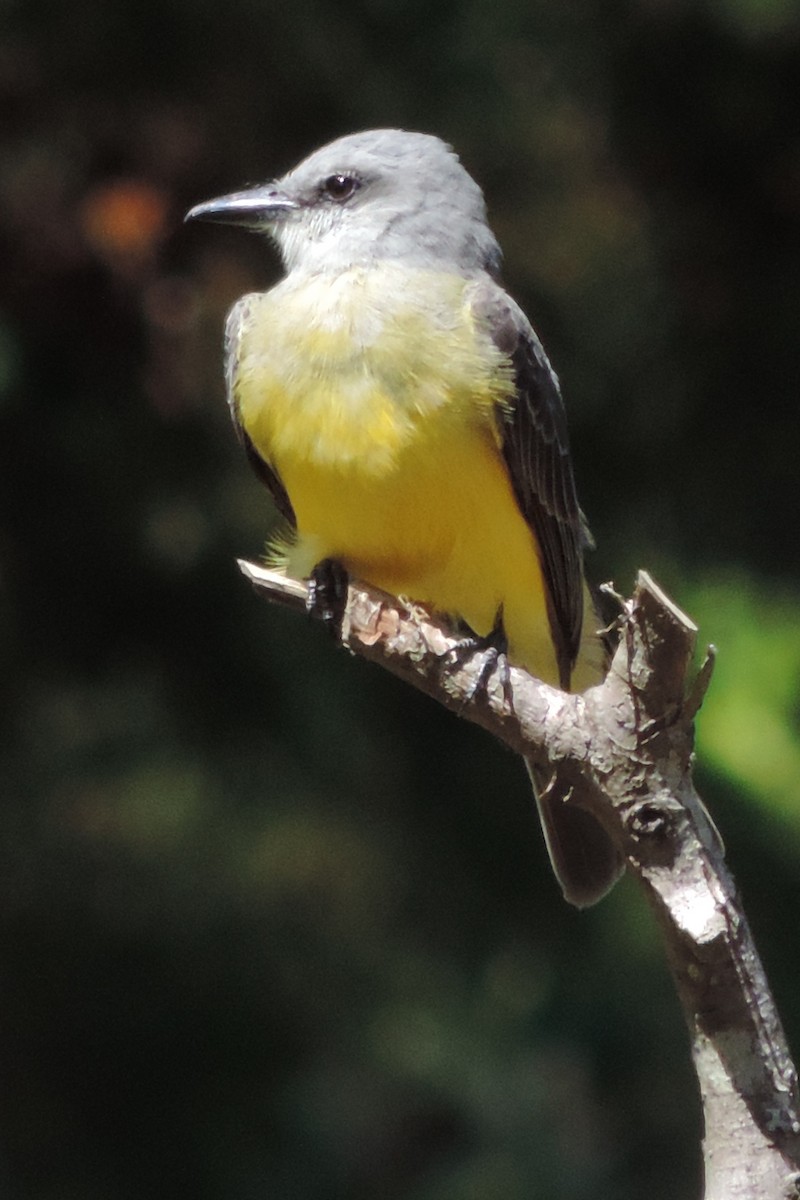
point(624, 751)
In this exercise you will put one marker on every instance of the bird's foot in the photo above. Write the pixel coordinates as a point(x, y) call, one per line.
point(493, 647)
point(327, 594)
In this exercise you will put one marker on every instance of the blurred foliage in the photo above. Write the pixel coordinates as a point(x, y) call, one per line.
point(749, 733)
point(270, 926)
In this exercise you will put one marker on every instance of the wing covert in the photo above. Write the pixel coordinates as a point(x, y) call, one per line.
point(535, 445)
point(265, 472)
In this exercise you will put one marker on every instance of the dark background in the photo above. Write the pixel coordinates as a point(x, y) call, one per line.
point(270, 924)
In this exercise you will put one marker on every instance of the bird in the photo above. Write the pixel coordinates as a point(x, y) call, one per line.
point(402, 412)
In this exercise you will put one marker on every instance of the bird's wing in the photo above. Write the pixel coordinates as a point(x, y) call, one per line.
point(265, 472)
point(533, 433)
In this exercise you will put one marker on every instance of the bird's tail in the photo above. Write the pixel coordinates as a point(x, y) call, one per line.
point(585, 860)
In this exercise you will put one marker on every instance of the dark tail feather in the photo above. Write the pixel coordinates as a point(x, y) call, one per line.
point(585, 861)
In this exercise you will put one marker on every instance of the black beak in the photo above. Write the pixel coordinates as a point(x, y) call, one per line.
point(256, 208)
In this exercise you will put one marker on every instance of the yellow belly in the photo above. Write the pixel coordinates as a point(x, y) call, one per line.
point(381, 426)
point(442, 528)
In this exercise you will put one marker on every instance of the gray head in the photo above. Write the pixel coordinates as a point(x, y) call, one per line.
point(383, 195)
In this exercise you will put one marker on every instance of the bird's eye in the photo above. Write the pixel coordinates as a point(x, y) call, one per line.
point(340, 187)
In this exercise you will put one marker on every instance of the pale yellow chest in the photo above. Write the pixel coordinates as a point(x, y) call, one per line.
point(346, 373)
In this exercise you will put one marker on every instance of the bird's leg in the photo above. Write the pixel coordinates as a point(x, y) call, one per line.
point(494, 648)
point(327, 594)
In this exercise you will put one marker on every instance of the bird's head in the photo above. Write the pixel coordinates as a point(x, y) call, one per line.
point(383, 195)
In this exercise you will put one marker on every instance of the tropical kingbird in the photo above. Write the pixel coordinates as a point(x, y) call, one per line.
point(402, 412)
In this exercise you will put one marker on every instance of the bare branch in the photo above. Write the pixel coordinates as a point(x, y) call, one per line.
point(624, 751)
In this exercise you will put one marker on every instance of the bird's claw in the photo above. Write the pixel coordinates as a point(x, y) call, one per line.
point(494, 648)
point(327, 594)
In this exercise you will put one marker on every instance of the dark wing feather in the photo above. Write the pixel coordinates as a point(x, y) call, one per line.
point(535, 445)
point(266, 473)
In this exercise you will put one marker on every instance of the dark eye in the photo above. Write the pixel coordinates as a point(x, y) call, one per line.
point(340, 187)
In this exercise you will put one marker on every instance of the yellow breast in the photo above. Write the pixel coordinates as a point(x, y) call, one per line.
point(344, 372)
